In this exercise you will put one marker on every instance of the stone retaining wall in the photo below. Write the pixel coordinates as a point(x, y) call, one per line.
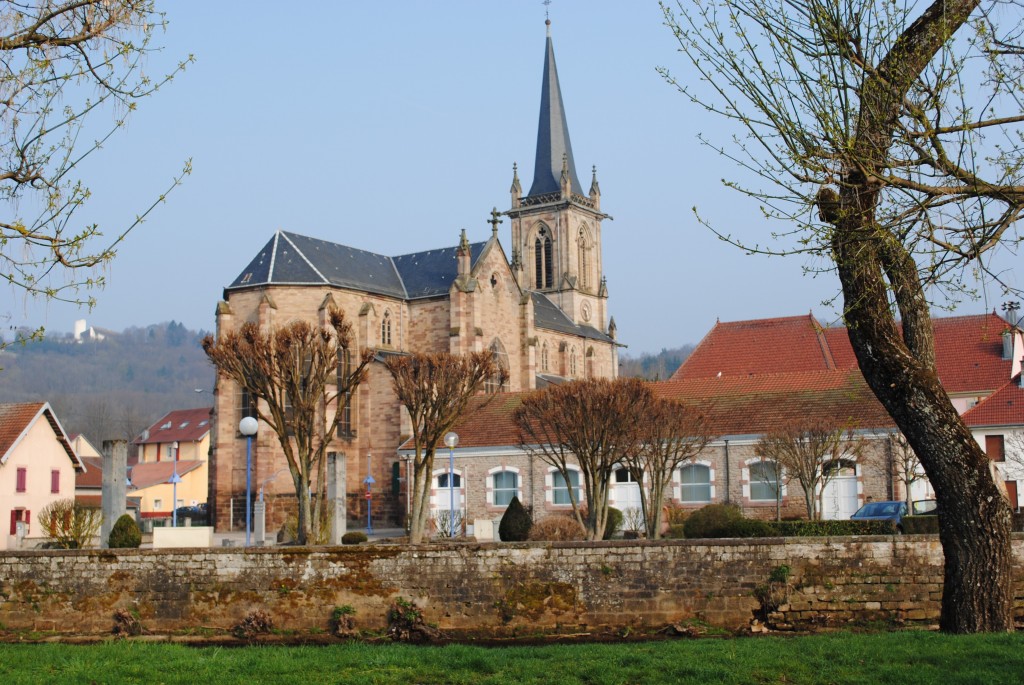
point(485, 589)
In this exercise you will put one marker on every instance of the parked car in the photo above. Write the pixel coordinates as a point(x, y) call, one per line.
point(894, 511)
point(198, 514)
point(883, 511)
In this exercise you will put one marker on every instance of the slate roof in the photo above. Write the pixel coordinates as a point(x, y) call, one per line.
point(1004, 407)
point(17, 419)
point(968, 350)
point(293, 259)
point(547, 315)
point(181, 425)
point(552, 134)
point(159, 472)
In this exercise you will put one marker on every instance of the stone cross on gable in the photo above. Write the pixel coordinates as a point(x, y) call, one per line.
point(494, 220)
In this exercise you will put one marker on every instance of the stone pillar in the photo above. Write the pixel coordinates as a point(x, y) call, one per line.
point(336, 504)
point(259, 523)
point(115, 475)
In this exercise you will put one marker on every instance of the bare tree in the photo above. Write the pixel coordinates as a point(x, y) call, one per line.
point(887, 137)
point(589, 423)
point(435, 389)
point(809, 452)
point(65, 63)
point(905, 467)
point(298, 374)
point(671, 434)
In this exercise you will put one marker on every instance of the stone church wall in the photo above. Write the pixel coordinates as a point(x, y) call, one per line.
point(489, 589)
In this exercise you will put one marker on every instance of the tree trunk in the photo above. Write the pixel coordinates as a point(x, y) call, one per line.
point(974, 520)
point(421, 499)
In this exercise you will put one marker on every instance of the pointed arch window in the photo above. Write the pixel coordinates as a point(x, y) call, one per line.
point(385, 329)
point(572, 362)
point(583, 243)
point(544, 357)
point(493, 384)
point(542, 252)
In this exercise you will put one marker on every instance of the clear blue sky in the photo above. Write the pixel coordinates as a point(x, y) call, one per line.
point(392, 126)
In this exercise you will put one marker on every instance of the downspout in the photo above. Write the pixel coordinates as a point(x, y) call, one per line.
point(728, 474)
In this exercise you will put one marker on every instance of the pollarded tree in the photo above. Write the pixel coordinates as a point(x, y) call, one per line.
point(589, 423)
point(887, 137)
point(671, 434)
point(302, 376)
point(809, 452)
point(435, 389)
point(65, 65)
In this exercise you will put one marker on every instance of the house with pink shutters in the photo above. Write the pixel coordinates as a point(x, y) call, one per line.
point(37, 467)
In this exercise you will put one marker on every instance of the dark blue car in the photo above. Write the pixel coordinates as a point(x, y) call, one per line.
point(893, 511)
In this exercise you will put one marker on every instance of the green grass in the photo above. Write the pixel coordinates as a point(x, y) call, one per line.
point(908, 658)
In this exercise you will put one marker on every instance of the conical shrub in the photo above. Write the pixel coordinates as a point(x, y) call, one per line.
point(125, 533)
point(516, 522)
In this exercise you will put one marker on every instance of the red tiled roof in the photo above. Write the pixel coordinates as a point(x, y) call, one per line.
point(743, 348)
point(968, 350)
point(756, 404)
point(1004, 407)
point(969, 353)
point(96, 501)
point(181, 425)
point(16, 419)
point(92, 476)
point(159, 472)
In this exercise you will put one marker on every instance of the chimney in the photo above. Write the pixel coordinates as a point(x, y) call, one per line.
point(1007, 344)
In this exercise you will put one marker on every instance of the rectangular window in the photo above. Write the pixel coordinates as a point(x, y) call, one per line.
point(995, 448)
point(54, 481)
point(19, 516)
point(158, 505)
point(22, 479)
point(764, 481)
point(695, 483)
point(506, 486)
point(559, 490)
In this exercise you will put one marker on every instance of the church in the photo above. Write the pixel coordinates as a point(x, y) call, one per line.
point(540, 307)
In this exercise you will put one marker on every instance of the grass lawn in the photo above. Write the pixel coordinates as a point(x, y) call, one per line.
point(905, 658)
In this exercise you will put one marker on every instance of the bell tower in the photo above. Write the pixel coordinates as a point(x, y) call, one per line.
point(556, 229)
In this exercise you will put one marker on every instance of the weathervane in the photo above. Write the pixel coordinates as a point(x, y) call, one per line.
point(546, 3)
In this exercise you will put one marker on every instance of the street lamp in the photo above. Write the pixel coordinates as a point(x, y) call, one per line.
point(248, 427)
point(451, 438)
point(369, 480)
point(175, 479)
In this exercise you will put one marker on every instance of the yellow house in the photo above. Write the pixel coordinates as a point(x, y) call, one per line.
point(37, 467)
point(176, 445)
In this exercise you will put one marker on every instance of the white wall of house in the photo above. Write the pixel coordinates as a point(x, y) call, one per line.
point(41, 455)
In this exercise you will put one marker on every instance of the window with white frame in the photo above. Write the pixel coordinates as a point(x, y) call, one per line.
point(559, 489)
point(504, 486)
point(695, 483)
point(764, 481)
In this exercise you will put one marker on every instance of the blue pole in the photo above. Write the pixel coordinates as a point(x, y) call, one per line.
point(451, 489)
point(248, 488)
point(369, 511)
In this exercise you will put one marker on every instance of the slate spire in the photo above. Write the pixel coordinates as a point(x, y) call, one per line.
point(553, 147)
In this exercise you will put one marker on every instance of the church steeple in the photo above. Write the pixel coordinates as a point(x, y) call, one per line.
point(554, 151)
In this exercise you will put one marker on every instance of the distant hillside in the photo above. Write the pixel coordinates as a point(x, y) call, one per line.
point(654, 366)
point(114, 387)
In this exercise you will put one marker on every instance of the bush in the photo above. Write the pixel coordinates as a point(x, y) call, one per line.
point(613, 524)
point(806, 528)
point(557, 528)
point(125, 533)
point(515, 522)
point(921, 525)
point(675, 531)
point(353, 537)
point(713, 521)
point(70, 525)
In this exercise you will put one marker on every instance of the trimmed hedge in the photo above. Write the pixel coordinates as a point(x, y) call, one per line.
point(726, 521)
point(921, 525)
point(515, 522)
point(125, 533)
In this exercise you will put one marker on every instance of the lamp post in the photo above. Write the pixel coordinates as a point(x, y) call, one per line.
point(451, 438)
point(248, 427)
point(369, 480)
point(175, 479)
